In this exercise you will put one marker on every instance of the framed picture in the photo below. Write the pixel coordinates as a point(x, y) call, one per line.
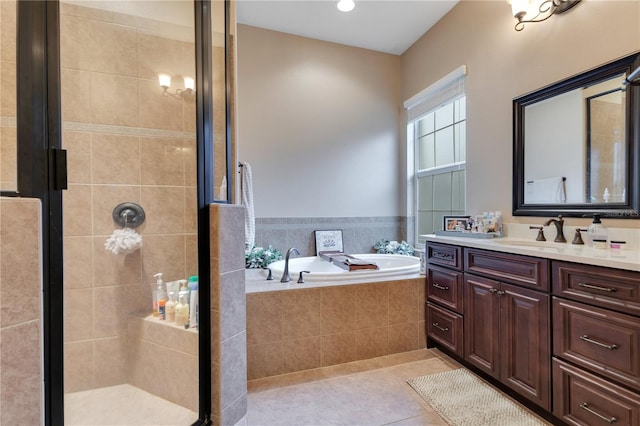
point(455, 223)
point(329, 241)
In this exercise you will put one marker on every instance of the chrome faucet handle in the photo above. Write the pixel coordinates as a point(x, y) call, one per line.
point(300, 279)
point(540, 236)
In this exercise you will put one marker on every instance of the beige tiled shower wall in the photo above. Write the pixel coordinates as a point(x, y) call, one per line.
point(8, 154)
point(20, 312)
point(302, 329)
point(126, 142)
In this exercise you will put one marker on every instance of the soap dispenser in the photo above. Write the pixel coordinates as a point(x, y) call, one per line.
point(597, 233)
point(158, 292)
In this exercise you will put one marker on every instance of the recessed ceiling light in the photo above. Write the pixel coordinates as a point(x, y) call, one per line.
point(346, 5)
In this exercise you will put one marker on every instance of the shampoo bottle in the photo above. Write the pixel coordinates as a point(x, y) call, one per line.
point(193, 301)
point(157, 292)
point(182, 310)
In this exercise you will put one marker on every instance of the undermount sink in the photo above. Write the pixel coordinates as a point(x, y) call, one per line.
point(527, 243)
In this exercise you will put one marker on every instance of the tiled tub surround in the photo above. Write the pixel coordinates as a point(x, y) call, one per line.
point(21, 378)
point(359, 234)
point(302, 327)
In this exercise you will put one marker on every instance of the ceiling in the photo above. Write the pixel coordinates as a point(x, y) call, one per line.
point(389, 26)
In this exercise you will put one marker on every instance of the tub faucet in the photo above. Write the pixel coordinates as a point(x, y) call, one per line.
point(285, 275)
point(559, 222)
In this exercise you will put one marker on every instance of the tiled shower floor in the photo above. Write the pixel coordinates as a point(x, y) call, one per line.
point(123, 405)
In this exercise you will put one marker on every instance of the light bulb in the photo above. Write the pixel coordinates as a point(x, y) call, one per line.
point(165, 80)
point(519, 8)
point(189, 83)
point(346, 5)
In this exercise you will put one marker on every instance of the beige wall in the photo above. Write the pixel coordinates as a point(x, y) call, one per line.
point(126, 143)
point(318, 122)
point(21, 379)
point(503, 64)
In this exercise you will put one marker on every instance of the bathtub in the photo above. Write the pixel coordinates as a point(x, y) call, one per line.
point(390, 266)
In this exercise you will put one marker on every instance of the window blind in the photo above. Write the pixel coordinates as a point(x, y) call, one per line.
point(447, 89)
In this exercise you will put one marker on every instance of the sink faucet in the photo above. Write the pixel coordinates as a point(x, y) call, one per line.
point(559, 233)
point(285, 276)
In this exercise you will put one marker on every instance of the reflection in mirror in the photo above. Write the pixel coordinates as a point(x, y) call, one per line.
point(576, 147)
point(606, 171)
point(8, 105)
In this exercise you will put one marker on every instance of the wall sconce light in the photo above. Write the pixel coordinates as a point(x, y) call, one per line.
point(546, 10)
point(165, 83)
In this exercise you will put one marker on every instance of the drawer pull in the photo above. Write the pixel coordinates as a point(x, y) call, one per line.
point(586, 338)
point(441, 255)
point(585, 407)
point(440, 287)
point(493, 290)
point(437, 325)
point(597, 287)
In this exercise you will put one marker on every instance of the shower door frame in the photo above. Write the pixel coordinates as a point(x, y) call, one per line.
point(42, 175)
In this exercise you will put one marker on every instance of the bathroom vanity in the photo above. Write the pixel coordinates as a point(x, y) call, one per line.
point(557, 324)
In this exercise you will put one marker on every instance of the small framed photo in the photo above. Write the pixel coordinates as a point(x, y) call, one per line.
point(329, 241)
point(455, 223)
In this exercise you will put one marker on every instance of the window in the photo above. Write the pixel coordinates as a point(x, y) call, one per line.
point(436, 134)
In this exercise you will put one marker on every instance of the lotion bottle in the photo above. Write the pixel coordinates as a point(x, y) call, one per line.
point(170, 308)
point(157, 292)
point(182, 310)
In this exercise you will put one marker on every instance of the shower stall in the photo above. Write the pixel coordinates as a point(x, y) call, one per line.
point(135, 111)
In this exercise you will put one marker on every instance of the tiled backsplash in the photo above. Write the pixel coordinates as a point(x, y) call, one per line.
point(359, 234)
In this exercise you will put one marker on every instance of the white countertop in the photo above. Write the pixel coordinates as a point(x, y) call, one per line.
point(628, 258)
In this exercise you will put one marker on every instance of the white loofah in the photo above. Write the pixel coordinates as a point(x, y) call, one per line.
point(123, 241)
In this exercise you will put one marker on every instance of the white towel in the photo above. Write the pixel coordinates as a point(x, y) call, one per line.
point(551, 190)
point(247, 202)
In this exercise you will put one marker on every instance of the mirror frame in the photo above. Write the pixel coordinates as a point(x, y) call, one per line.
point(628, 210)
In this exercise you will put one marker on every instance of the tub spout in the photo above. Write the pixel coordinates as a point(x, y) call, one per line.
point(285, 275)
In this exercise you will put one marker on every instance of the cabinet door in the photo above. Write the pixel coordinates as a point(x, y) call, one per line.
point(481, 323)
point(524, 343)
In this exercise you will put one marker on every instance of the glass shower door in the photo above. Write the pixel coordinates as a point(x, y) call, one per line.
point(129, 128)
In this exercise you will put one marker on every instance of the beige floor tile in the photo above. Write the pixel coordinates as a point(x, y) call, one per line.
point(123, 405)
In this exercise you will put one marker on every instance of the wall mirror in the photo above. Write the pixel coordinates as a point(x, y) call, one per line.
point(576, 145)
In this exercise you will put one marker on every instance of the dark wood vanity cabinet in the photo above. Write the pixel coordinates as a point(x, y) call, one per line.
point(596, 342)
point(564, 335)
point(507, 335)
point(444, 314)
point(492, 309)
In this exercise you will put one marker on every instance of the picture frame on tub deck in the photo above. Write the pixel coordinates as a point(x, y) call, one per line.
point(455, 223)
point(329, 241)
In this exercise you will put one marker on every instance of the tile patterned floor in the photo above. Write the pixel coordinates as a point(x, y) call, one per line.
point(368, 393)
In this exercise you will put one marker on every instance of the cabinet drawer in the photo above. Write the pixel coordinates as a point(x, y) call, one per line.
point(444, 286)
point(598, 339)
point(606, 287)
point(581, 398)
point(444, 255)
point(444, 327)
point(526, 271)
